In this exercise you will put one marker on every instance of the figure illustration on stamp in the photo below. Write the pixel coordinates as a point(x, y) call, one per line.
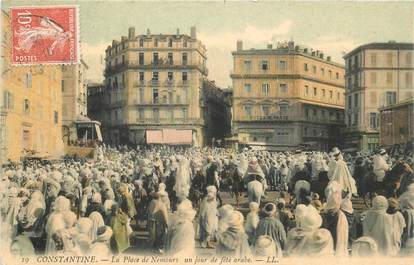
point(48, 29)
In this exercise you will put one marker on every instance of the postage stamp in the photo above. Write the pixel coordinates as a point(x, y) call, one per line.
point(45, 35)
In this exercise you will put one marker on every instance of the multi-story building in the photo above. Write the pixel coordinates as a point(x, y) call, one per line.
point(31, 106)
point(397, 123)
point(153, 86)
point(287, 96)
point(74, 100)
point(217, 113)
point(377, 75)
point(96, 101)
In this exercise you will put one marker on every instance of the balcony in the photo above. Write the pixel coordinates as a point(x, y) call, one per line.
point(289, 118)
point(175, 121)
point(183, 83)
point(154, 82)
point(169, 82)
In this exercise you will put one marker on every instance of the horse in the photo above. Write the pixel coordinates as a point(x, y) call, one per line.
point(255, 191)
point(393, 178)
point(231, 181)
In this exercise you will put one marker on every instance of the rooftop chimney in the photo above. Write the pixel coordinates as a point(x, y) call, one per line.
point(269, 46)
point(148, 32)
point(305, 50)
point(313, 53)
point(297, 48)
point(193, 32)
point(239, 45)
point(328, 58)
point(131, 32)
point(321, 55)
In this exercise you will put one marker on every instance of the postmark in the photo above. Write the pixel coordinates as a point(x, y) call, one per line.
point(45, 35)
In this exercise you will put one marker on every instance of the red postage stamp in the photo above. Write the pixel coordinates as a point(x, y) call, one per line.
point(45, 35)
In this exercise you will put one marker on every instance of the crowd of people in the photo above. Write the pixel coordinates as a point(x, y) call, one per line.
point(89, 207)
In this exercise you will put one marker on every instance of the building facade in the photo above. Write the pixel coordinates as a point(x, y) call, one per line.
point(377, 75)
point(74, 92)
point(96, 101)
point(153, 84)
point(397, 124)
point(31, 106)
point(287, 97)
point(217, 113)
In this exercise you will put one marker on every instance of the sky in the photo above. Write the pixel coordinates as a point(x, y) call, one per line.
point(333, 27)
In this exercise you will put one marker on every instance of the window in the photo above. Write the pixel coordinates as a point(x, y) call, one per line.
point(323, 92)
point(305, 131)
point(184, 111)
point(141, 94)
point(184, 76)
point(373, 77)
point(338, 96)
point(123, 59)
point(265, 88)
point(156, 115)
point(373, 59)
point(55, 117)
point(141, 42)
point(265, 65)
point(154, 76)
point(265, 110)
point(355, 119)
point(307, 113)
point(314, 112)
point(282, 65)
point(155, 96)
point(315, 92)
point(184, 58)
point(282, 136)
point(171, 115)
point(349, 119)
point(155, 58)
point(155, 42)
point(170, 42)
point(373, 120)
point(247, 66)
point(141, 76)
point(185, 43)
point(247, 88)
point(170, 58)
point(305, 67)
point(356, 99)
point(391, 98)
point(141, 114)
point(314, 69)
point(170, 76)
point(389, 59)
point(389, 78)
point(283, 109)
point(349, 101)
point(323, 72)
point(178, 99)
point(306, 90)
point(283, 88)
point(248, 110)
point(7, 100)
point(141, 58)
point(63, 86)
point(26, 106)
point(28, 80)
point(337, 76)
point(330, 94)
point(408, 79)
point(170, 97)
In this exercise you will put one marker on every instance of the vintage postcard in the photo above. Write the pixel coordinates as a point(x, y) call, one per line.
point(207, 132)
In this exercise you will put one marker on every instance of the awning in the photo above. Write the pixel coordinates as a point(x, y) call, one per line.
point(169, 136)
point(154, 137)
